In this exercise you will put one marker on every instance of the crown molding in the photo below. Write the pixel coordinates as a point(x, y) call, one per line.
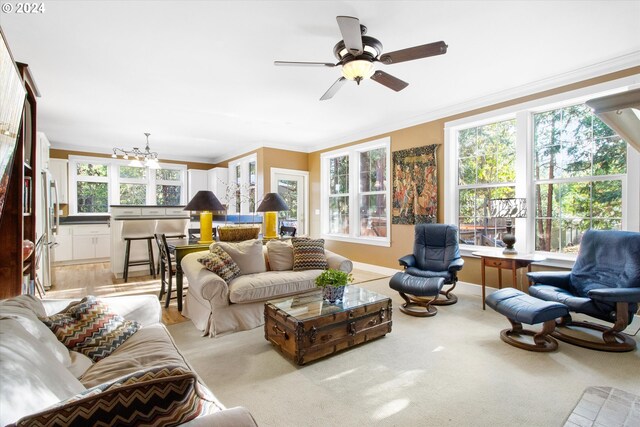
point(619, 63)
point(102, 150)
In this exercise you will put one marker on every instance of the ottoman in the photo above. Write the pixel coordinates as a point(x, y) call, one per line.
point(419, 293)
point(520, 308)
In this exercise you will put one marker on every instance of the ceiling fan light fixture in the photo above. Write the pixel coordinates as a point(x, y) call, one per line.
point(358, 70)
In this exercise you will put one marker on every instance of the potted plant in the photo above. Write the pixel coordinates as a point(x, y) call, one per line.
point(333, 283)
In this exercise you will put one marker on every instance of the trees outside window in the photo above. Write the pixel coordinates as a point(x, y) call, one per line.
point(355, 199)
point(579, 166)
point(96, 183)
point(573, 170)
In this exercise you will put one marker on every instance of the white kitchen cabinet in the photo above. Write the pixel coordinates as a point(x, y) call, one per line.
point(197, 181)
point(83, 243)
point(217, 181)
point(59, 170)
point(63, 251)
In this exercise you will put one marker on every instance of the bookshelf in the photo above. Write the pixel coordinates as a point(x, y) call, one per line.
point(18, 222)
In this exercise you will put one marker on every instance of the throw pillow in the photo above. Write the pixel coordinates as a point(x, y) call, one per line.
point(248, 255)
point(166, 396)
point(280, 255)
point(90, 328)
point(219, 262)
point(308, 254)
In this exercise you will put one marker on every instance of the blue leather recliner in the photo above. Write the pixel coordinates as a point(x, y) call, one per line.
point(604, 283)
point(435, 254)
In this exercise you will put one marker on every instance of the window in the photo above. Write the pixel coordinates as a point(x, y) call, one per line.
point(242, 189)
point(133, 185)
point(579, 168)
point(355, 193)
point(91, 187)
point(485, 172)
point(97, 183)
point(169, 184)
point(574, 172)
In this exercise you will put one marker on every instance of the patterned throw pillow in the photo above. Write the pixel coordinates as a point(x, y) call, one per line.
point(220, 263)
point(308, 254)
point(90, 328)
point(165, 396)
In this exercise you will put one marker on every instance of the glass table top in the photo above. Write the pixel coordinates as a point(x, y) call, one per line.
point(311, 304)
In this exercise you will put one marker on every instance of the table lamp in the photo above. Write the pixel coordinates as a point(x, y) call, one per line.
point(509, 208)
point(271, 204)
point(205, 202)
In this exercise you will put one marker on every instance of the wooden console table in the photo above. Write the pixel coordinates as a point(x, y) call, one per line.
point(507, 262)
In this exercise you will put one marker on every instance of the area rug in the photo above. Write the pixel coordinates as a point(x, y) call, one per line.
point(451, 369)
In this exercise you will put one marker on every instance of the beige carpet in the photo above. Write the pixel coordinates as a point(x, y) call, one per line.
point(451, 369)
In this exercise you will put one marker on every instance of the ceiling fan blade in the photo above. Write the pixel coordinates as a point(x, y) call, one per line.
point(333, 89)
point(389, 81)
point(416, 52)
point(304, 64)
point(351, 34)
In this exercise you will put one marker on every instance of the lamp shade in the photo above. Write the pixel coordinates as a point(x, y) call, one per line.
point(272, 202)
point(204, 201)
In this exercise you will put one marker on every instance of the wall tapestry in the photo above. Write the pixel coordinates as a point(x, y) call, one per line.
point(415, 185)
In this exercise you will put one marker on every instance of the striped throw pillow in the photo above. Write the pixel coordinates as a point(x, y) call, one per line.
point(308, 254)
point(89, 327)
point(219, 262)
point(166, 396)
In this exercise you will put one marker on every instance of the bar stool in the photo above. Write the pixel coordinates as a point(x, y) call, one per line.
point(167, 267)
point(138, 230)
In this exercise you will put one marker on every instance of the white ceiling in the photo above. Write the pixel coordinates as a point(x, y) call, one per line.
point(199, 75)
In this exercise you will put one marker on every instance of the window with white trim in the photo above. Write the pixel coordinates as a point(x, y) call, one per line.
point(574, 172)
point(242, 189)
point(96, 183)
point(355, 194)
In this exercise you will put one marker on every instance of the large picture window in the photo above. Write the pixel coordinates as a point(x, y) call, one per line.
point(579, 168)
point(574, 172)
point(97, 183)
point(355, 193)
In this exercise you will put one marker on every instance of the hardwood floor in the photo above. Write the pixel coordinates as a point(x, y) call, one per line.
point(80, 280)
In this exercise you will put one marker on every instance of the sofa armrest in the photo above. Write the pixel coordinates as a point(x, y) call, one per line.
point(407, 261)
point(233, 417)
point(205, 284)
point(338, 262)
point(144, 309)
point(559, 279)
point(615, 294)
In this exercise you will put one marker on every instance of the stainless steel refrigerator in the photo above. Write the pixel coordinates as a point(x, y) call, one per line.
point(48, 212)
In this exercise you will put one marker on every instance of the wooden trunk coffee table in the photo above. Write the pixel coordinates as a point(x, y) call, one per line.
point(304, 327)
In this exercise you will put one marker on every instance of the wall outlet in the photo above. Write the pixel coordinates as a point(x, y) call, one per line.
point(317, 211)
point(60, 212)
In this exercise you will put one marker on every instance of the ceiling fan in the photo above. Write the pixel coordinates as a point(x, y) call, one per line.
point(357, 53)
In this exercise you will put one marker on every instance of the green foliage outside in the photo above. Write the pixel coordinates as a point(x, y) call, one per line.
point(571, 143)
point(133, 194)
point(333, 277)
point(93, 197)
point(168, 195)
point(89, 169)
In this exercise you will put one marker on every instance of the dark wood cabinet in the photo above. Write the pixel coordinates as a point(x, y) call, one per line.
point(18, 222)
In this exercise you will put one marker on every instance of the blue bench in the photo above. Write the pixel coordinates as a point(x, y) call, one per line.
point(521, 308)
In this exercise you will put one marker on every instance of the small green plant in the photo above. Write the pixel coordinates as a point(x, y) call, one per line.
point(333, 277)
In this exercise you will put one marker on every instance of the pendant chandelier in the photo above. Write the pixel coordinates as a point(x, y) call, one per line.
point(139, 158)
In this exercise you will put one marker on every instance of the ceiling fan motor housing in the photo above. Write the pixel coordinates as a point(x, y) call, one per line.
point(372, 48)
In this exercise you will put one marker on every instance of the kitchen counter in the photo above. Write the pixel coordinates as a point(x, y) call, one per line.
point(84, 219)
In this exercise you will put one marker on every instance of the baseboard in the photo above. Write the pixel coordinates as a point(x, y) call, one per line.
point(375, 268)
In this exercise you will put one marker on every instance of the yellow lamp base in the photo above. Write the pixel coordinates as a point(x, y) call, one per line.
point(270, 221)
point(206, 227)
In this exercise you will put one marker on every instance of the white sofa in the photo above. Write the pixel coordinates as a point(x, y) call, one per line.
point(216, 307)
point(38, 373)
